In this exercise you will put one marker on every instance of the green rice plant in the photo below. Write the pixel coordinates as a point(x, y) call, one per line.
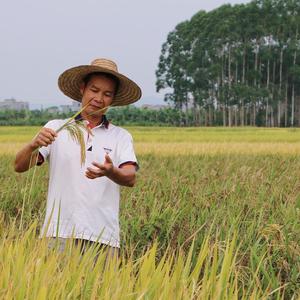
point(190, 207)
point(29, 269)
point(143, 273)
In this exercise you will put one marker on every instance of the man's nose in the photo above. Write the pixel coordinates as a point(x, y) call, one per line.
point(99, 97)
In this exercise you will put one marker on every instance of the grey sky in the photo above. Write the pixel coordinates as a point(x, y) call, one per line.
point(40, 39)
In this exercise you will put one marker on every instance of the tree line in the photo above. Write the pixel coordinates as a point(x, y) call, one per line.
point(236, 65)
point(128, 115)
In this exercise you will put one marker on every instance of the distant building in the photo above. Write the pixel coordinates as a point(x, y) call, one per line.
point(75, 106)
point(53, 110)
point(13, 104)
point(154, 107)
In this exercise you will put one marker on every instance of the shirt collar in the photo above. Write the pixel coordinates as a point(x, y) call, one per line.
point(104, 123)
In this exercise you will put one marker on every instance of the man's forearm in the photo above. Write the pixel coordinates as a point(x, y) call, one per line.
point(123, 176)
point(26, 158)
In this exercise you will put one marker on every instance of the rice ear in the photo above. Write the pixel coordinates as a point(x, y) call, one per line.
point(76, 133)
point(72, 119)
point(74, 127)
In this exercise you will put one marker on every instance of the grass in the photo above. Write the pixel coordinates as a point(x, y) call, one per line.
point(215, 214)
point(166, 134)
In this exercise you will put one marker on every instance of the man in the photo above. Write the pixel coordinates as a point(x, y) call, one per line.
point(83, 198)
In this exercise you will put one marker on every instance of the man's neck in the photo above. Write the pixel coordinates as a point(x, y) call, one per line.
point(93, 120)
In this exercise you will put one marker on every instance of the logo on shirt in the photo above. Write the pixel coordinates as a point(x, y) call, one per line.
point(107, 150)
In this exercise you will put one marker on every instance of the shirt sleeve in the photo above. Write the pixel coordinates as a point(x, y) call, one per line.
point(40, 159)
point(126, 151)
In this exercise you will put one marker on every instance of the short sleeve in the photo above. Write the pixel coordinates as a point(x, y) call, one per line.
point(126, 150)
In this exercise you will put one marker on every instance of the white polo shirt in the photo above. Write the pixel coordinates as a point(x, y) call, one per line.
point(79, 207)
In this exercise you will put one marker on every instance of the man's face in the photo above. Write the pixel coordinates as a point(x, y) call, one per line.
point(98, 92)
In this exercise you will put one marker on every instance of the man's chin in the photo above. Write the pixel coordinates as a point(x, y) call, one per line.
point(99, 110)
point(93, 112)
point(96, 108)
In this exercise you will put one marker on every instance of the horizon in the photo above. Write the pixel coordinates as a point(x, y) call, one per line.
point(34, 106)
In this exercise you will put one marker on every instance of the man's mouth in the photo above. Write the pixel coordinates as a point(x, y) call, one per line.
point(96, 105)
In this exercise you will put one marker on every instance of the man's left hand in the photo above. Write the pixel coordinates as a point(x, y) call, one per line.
point(104, 169)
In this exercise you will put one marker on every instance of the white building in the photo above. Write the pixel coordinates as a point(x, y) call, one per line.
point(75, 106)
point(13, 104)
point(53, 110)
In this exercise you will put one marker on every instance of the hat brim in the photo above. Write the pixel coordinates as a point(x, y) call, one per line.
point(71, 80)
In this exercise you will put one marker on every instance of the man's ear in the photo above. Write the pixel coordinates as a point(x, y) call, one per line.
point(81, 88)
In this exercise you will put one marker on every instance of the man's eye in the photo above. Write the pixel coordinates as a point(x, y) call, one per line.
point(108, 94)
point(93, 90)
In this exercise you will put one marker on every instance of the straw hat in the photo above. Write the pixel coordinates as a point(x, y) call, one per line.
point(70, 81)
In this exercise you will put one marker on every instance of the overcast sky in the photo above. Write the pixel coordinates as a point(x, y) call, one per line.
point(40, 39)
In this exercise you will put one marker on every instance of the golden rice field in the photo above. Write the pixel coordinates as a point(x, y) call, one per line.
point(215, 214)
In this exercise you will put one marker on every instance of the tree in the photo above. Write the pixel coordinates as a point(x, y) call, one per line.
point(235, 62)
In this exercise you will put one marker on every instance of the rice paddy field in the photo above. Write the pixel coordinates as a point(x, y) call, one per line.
point(215, 214)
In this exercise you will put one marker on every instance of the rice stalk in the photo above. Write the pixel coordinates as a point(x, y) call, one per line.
point(25, 196)
point(74, 127)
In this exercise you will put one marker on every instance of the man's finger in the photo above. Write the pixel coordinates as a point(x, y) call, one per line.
point(88, 175)
point(99, 166)
point(96, 172)
point(42, 143)
point(108, 159)
point(49, 135)
point(46, 139)
point(93, 175)
point(46, 134)
point(93, 171)
point(51, 131)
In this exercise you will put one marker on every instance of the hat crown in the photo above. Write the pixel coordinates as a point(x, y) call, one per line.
point(105, 63)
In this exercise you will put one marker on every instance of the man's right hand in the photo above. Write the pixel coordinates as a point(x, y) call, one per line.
point(44, 138)
point(27, 156)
